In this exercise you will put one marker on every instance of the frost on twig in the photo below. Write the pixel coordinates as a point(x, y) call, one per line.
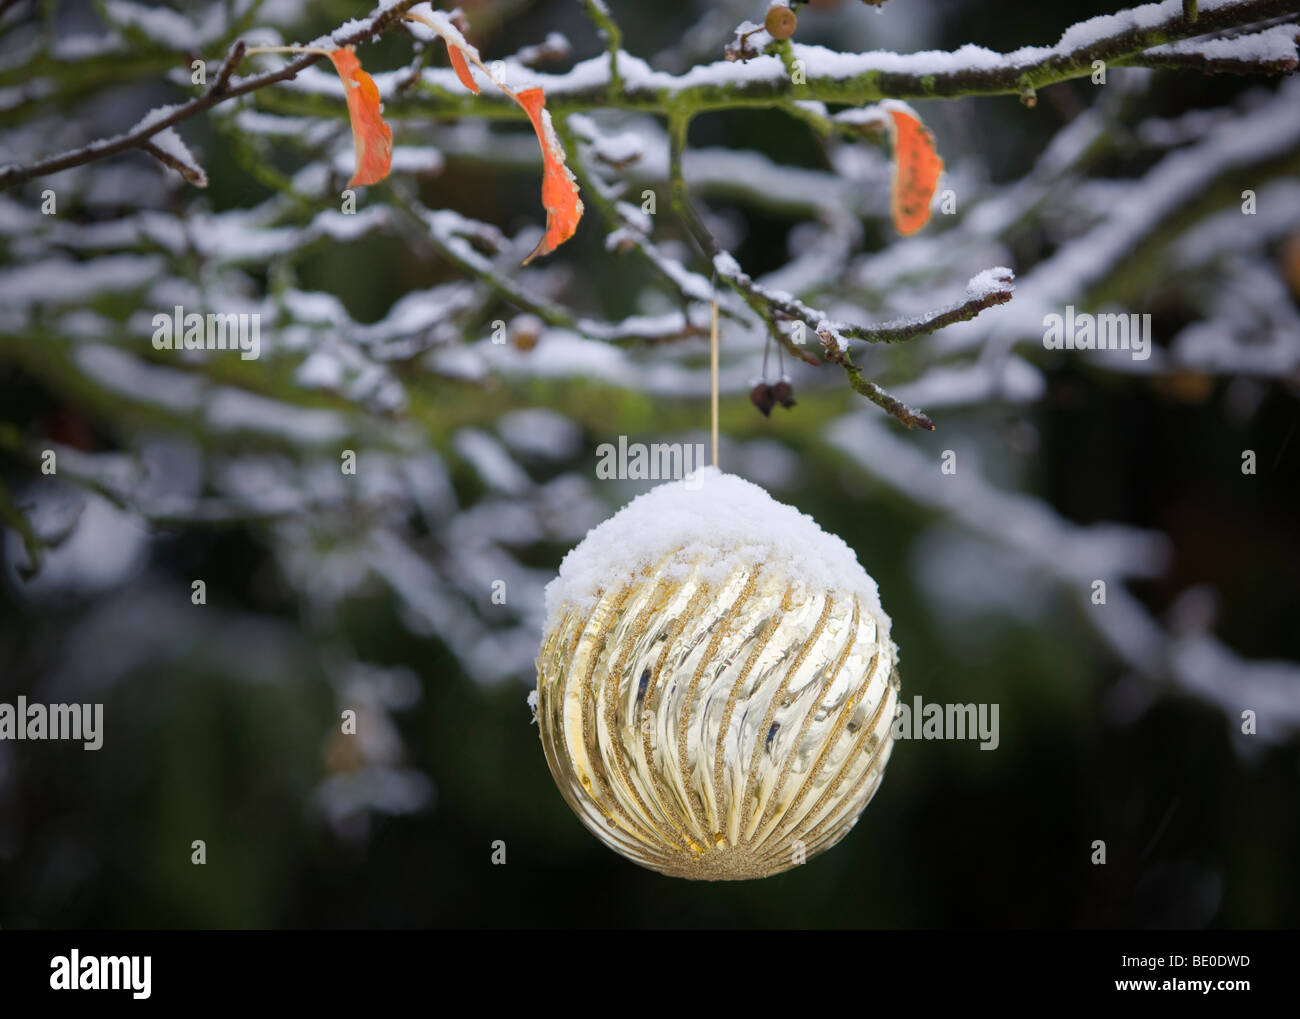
point(989, 288)
point(167, 147)
point(1120, 39)
point(1272, 51)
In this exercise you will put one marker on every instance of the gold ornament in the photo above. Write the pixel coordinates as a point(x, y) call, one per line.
point(717, 687)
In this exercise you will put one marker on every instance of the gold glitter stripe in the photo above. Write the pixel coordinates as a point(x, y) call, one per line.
point(613, 678)
point(596, 765)
point(771, 822)
point(752, 806)
point(719, 632)
point(789, 819)
point(662, 792)
point(883, 747)
point(727, 711)
point(868, 731)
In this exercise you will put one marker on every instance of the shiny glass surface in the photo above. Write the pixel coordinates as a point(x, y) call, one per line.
point(718, 732)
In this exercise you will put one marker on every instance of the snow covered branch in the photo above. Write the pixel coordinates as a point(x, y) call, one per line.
point(1150, 35)
point(223, 87)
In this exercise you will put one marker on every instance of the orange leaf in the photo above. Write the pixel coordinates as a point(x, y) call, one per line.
point(461, 68)
point(371, 137)
point(559, 189)
point(916, 172)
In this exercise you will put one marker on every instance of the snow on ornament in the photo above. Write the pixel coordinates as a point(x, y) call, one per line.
point(717, 685)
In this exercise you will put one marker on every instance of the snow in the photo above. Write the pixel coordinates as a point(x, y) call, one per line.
point(320, 371)
point(126, 376)
point(997, 280)
point(154, 116)
point(726, 265)
point(169, 142)
point(540, 432)
point(1273, 45)
point(75, 48)
point(618, 150)
point(1216, 674)
point(491, 462)
point(1074, 554)
point(441, 26)
point(719, 523)
point(166, 27)
point(820, 61)
point(554, 46)
point(234, 411)
point(1076, 267)
point(30, 91)
point(357, 28)
point(309, 130)
point(1014, 381)
point(63, 281)
point(105, 550)
point(563, 354)
point(827, 331)
point(420, 159)
point(691, 284)
point(158, 24)
point(862, 116)
point(239, 236)
point(420, 311)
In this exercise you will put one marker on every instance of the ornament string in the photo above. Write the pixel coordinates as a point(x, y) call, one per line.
point(713, 369)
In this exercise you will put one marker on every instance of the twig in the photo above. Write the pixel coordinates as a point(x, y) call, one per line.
point(908, 415)
point(834, 336)
point(599, 13)
point(1200, 55)
point(191, 173)
point(930, 322)
point(228, 66)
point(596, 192)
point(219, 91)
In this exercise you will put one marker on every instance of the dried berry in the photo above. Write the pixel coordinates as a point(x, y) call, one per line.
point(780, 21)
point(525, 331)
point(762, 397)
point(783, 393)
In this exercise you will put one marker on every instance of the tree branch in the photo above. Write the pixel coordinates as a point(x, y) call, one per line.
point(891, 405)
point(859, 78)
point(685, 285)
point(628, 82)
point(219, 91)
point(990, 288)
point(1271, 51)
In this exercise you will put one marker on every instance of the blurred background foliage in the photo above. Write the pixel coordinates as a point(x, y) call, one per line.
point(221, 719)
